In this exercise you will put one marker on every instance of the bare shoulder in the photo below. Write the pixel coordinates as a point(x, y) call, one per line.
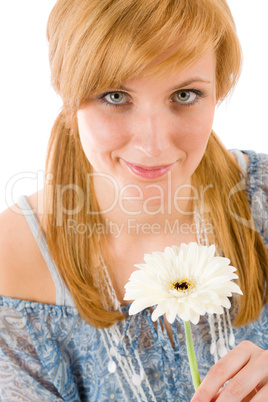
point(23, 271)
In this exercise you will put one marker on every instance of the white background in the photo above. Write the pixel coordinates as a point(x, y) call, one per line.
point(29, 105)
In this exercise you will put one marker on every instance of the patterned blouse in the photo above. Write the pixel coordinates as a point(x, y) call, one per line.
point(49, 353)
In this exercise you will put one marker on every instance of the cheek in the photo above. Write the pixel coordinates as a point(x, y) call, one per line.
point(99, 132)
point(195, 131)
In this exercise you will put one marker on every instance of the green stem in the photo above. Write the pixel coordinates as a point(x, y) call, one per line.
point(191, 355)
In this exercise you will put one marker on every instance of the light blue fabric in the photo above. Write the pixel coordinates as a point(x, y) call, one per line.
point(49, 353)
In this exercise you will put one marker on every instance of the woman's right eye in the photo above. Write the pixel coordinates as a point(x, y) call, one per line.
point(114, 98)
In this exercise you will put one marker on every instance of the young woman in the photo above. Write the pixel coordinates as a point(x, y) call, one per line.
point(133, 166)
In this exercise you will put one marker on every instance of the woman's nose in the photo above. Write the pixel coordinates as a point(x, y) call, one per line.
point(152, 134)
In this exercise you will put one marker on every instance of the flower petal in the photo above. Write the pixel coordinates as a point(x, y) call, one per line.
point(139, 305)
point(160, 310)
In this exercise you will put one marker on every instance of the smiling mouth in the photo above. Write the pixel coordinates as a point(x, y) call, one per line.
point(148, 172)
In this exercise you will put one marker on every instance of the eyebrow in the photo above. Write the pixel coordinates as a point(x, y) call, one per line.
point(182, 85)
point(191, 81)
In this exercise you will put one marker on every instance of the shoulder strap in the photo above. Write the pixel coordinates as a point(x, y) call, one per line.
point(240, 157)
point(63, 296)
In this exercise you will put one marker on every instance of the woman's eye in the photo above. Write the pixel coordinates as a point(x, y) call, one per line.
point(184, 96)
point(115, 98)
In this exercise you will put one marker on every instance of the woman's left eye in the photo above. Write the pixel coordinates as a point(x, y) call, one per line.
point(114, 98)
point(185, 96)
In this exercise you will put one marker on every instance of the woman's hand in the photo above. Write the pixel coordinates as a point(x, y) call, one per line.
point(246, 368)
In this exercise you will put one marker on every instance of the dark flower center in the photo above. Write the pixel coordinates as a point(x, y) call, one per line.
point(183, 285)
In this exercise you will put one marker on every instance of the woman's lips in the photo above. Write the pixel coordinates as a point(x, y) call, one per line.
point(148, 172)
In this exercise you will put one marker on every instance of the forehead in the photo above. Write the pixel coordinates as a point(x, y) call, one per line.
point(204, 70)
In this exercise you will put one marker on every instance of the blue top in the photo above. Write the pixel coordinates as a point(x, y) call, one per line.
point(49, 353)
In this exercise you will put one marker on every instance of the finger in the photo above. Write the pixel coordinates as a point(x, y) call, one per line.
point(242, 384)
point(261, 395)
point(246, 399)
point(222, 371)
point(262, 383)
point(246, 380)
point(249, 397)
point(215, 398)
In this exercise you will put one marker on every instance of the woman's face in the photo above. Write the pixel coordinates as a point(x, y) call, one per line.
point(149, 129)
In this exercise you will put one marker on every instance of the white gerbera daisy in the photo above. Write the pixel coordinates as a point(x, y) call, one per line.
point(186, 282)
